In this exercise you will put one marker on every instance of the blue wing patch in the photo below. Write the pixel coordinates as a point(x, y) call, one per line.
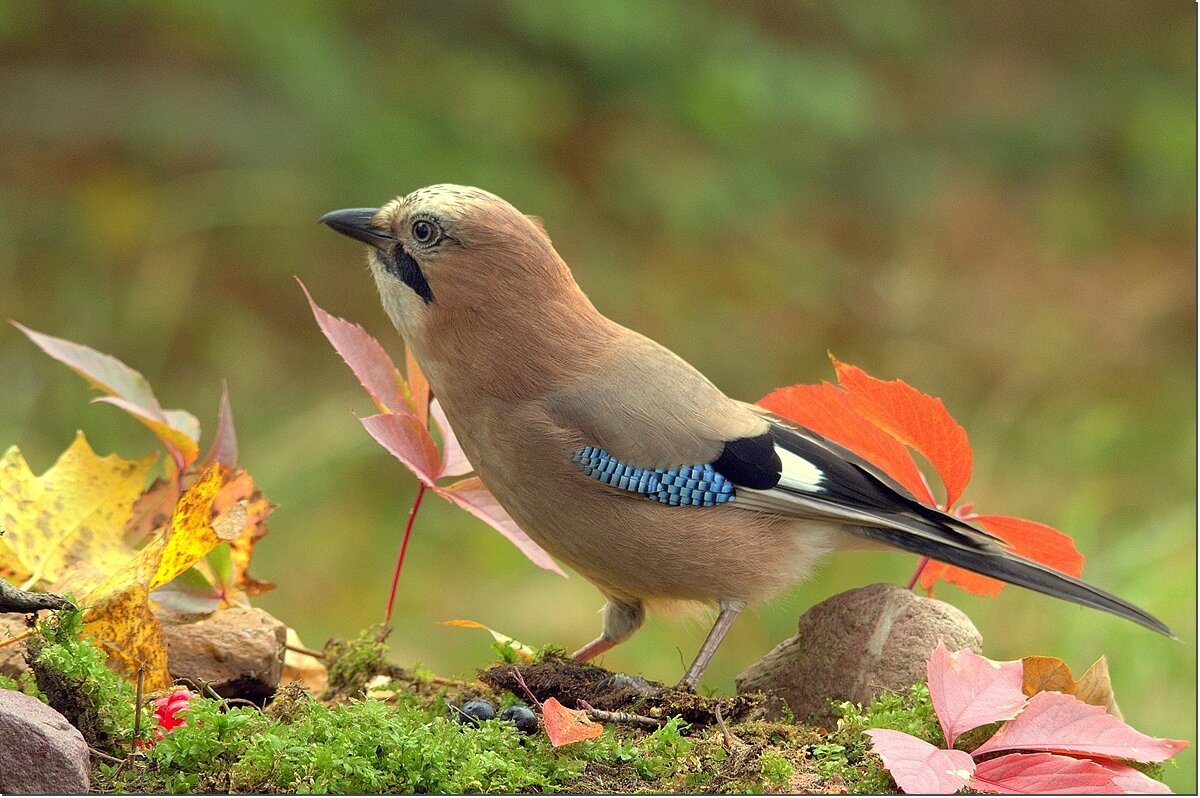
point(689, 486)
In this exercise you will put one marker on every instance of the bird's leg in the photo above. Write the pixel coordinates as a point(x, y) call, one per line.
point(729, 613)
point(621, 620)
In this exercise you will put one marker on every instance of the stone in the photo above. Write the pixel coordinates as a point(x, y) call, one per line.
point(237, 652)
point(12, 656)
point(40, 752)
point(856, 645)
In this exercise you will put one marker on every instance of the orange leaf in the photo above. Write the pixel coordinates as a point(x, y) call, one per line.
point(1046, 673)
point(967, 580)
point(565, 726)
point(1038, 542)
point(418, 386)
point(915, 419)
point(827, 410)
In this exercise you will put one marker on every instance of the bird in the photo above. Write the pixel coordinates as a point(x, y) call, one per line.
point(617, 456)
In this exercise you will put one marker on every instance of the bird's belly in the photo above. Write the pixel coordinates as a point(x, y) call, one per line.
point(634, 547)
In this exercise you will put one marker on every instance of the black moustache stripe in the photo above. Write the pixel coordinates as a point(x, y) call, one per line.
point(405, 268)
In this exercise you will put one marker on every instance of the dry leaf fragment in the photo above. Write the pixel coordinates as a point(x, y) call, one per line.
point(564, 726)
point(1046, 673)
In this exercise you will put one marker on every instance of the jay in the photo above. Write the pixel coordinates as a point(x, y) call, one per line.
point(617, 456)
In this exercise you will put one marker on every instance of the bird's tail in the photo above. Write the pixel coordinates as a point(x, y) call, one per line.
point(991, 560)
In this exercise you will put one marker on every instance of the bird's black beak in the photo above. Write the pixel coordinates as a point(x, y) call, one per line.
point(356, 223)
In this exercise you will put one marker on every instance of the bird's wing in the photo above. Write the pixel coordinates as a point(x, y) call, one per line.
point(682, 442)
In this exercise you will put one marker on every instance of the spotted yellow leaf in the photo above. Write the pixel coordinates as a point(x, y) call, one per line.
point(69, 520)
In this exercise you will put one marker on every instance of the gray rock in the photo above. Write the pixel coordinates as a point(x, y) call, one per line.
point(237, 652)
point(856, 645)
point(40, 753)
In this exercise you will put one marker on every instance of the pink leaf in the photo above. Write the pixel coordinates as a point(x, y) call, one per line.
point(969, 690)
point(1064, 724)
point(474, 497)
point(1052, 774)
point(126, 389)
point(454, 460)
point(224, 446)
point(1132, 780)
point(919, 767)
point(365, 357)
point(408, 441)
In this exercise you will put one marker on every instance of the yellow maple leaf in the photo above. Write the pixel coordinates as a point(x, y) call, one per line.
point(64, 528)
point(118, 611)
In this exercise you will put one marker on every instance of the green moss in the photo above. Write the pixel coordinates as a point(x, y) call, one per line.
point(24, 683)
point(846, 755)
point(73, 676)
point(352, 663)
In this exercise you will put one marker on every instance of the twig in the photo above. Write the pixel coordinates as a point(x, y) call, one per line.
point(731, 740)
point(14, 599)
point(605, 716)
point(101, 755)
point(308, 652)
point(521, 681)
point(137, 710)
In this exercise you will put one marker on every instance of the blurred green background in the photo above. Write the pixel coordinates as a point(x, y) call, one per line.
point(994, 201)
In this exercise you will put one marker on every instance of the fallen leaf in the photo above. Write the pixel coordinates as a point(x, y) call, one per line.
point(1051, 774)
point(525, 652)
point(916, 420)
point(1043, 674)
point(1094, 687)
point(178, 430)
point(239, 490)
point(918, 767)
point(1063, 724)
point(968, 690)
point(564, 726)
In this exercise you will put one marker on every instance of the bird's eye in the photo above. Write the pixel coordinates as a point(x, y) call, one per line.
point(424, 232)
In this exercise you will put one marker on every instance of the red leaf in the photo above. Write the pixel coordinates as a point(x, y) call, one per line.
point(915, 419)
point(565, 726)
point(474, 497)
point(968, 690)
point(408, 441)
point(1038, 542)
point(1051, 774)
point(1064, 724)
point(826, 410)
point(127, 389)
point(365, 357)
point(918, 767)
point(224, 446)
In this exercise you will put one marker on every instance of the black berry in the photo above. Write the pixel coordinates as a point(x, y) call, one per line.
point(522, 717)
point(475, 712)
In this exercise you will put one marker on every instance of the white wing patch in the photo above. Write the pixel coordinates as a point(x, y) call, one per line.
point(798, 473)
